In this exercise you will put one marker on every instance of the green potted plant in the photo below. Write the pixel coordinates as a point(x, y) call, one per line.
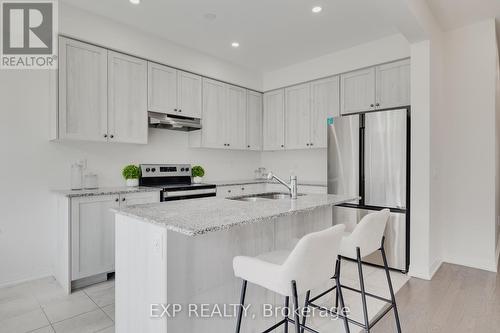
point(197, 172)
point(131, 173)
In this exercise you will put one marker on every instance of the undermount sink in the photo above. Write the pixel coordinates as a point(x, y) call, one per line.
point(263, 197)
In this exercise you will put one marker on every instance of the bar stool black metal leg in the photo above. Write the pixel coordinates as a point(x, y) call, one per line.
point(391, 290)
point(363, 294)
point(296, 307)
point(242, 303)
point(337, 274)
point(287, 304)
point(304, 315)
point(340, 296)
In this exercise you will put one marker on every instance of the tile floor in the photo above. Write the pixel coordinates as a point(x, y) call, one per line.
point(41, 306)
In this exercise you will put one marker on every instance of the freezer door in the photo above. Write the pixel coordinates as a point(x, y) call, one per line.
point(395, 235)
point(343, 156)
point(385, 158)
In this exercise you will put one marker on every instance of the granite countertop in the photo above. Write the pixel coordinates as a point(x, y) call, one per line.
point(105, 191)
point(263, 181)
point(201, 216)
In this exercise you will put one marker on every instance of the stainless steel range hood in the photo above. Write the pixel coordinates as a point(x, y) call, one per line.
point(173, 122)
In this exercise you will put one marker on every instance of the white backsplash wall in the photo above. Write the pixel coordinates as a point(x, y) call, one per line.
point(164, 146)
point(307, 165)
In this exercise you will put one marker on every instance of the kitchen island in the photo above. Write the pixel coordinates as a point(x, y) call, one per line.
point(180, 254)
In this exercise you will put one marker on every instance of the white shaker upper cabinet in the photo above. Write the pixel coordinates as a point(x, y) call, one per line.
point(236, 117)
point(189, 94)
point(162, 88)
point(254, 120)
point(213, 133)
point(358, 91)
point(297, 116)
point(83, 92)
point(127, 103)
point(393, 85)
point(273, 120)
point(325, 95)
point(93, 235)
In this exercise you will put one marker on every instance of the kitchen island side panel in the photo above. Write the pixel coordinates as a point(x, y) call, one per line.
point(197, 271)
point(141, 275)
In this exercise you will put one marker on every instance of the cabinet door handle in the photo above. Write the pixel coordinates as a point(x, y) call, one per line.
point(248, 146)
point(105, 135)
point(307, 144)
point(282, 146)
point(180, 110)
point(117, 199)
point(371, 105)
point(175, 110)
point(123, 199)
point(311, 144)
point(242, 188)
point(378, 104)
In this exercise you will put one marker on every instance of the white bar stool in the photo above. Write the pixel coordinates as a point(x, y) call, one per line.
point(306, 267)
point(365, 239)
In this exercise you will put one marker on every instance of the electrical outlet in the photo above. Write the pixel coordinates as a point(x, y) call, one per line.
point(157, 244)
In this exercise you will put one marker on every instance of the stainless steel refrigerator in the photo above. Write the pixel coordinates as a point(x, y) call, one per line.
point(368, 156)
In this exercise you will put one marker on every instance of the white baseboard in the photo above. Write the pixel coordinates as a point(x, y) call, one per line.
point(425, 274)
point(434, 268)
point(32, 278)
point(485, 265)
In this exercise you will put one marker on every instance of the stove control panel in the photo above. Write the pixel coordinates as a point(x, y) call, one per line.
point(165, 170)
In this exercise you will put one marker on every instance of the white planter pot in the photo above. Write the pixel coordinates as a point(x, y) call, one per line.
point(197, 180)
point(132, 182)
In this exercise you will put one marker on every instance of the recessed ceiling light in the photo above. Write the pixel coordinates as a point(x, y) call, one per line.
point(135, 2)
point(235, 44)
point(317, 9)
point(210, 16)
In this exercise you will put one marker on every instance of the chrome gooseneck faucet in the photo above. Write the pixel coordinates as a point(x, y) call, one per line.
point(292, 187)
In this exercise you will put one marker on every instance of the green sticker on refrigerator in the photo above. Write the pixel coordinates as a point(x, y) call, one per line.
point(329, 120)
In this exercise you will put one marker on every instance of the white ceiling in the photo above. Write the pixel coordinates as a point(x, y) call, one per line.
point(453, 14)
point(272, 33)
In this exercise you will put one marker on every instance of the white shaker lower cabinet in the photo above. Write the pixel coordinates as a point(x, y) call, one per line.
point(235, 190)
point(86, 236)
point(273, 120)
point(298, 116)
point(93, 235)
point(357, 91)
point(127, 99)
point(325, 103)
point(254, 120)
point(393, 85)
point(83, 94)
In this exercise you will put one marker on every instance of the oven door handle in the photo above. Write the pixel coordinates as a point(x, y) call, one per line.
point(173, 194)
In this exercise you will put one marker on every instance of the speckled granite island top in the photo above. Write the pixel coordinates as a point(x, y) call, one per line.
point(201, 216)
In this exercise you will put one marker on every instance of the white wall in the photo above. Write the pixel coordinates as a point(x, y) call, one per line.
point(311, 164)
point(103, 31)
point(364, 55)
point(31, 165)
point(471, 146)
point(307, 165)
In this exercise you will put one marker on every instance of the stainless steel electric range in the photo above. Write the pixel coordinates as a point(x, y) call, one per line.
point(174, 182)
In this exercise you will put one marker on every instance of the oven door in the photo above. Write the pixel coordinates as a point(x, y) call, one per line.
point(183, 194)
